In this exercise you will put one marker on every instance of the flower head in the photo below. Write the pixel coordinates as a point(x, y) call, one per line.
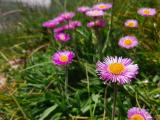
point(95, 13)
point(62, 37)
point(72, 25)
point(59, 19)
point(117, 70)
point(63, 58)
point(136, 113)
point(103, 6)
point(50, 24)
point(128, 42)
point(59, 29)
point(67, 15)
point(53, 23)
point(75, 23)
point(147, 11)
point(91, 24)
point(131, 23)
point(83, 9)
point(97, 23)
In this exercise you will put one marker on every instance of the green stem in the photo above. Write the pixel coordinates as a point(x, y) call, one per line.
point(114, 101)
point(52, 40)
point(137, 101)
point(99, 43)
point(66, 81)
point(88, 88)
point(105, 104)
point(65, 5)
point(110, 28)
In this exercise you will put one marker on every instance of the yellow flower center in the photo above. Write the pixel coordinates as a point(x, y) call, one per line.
point(128, 42)
point(102, 6)
point(131, 24)
point(146, 11)
point(116, 68)
point(63, 58)
point(62, 36)
point(137, 117)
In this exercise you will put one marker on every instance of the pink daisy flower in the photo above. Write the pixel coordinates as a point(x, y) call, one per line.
point(50, 24)
point(146, 11)
point(72, 25)
point(91, 24)
point(97, 23)
point(128, 42)
point(63, 58)
point(117, 70)
point(83, 9)
point(59, 29)
point(131, 23)
point(103, 6)
point(59, 19)
point(95, 13)
point(53, 23)
point(67, 15)
point(75, 23)
point(62, 37)
point(136, 113)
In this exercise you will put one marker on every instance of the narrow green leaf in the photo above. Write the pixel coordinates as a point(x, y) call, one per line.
point(48, 111)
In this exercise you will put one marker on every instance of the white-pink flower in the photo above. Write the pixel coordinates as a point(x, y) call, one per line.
point(128, 42)
point(131, 23)
point(95, 13)
point(117, 70)
point(147, 11)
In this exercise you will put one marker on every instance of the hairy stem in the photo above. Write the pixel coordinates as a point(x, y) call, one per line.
point(114, 101)
point(105, 104)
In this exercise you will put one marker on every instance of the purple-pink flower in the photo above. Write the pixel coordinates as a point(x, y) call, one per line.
point(103, 6)
point(95, 13)
point(59, 29)
point(53, 23)
point(67, 15)
point(146, 11)
point(91, 24)
point(136, 113)
point(72, 25)
point(128, 42)
point(97, 23)
point(63, 58)
point(50, 24)
point(83, 9)
point(117, 70)
point(62, 37)
point(131, 23)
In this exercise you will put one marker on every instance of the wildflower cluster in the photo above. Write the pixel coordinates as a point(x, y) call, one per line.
point(62, 23)
point(129, 42)
point(97, 12)
point(117, 70)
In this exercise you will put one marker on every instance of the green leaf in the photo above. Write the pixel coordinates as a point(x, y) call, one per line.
point(48, 111)
point(95, 97)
